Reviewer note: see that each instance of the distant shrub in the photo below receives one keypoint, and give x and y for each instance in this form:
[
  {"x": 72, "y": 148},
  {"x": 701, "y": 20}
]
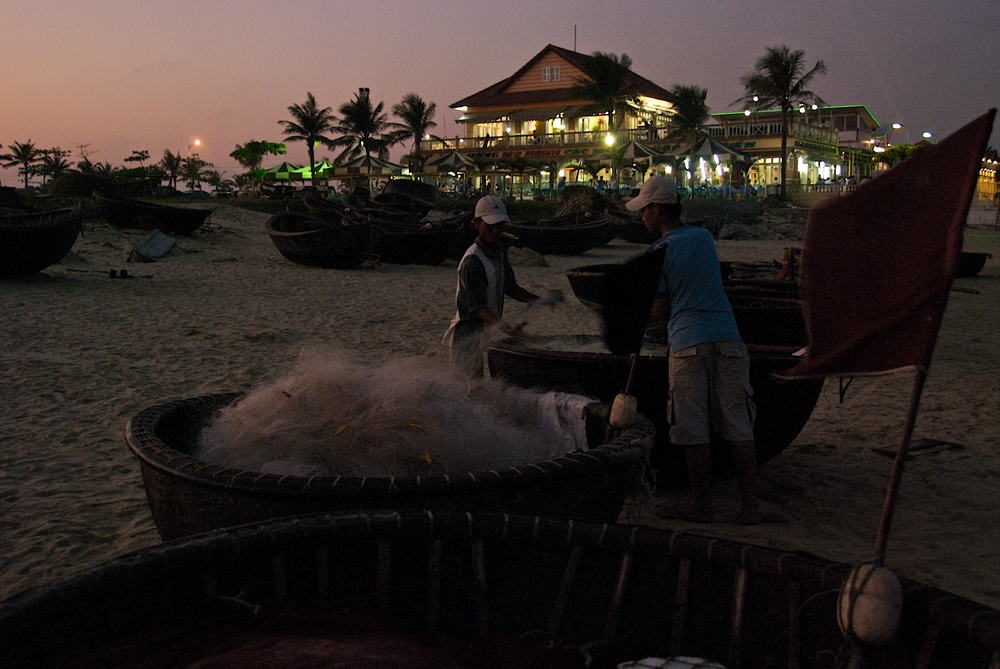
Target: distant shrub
[{"x": 82, "y": 184}]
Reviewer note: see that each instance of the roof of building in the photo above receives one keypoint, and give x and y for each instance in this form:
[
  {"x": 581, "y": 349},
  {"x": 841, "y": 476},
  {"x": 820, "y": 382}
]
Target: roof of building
[
  {"x": 498, "y": 94},
  {"x": 865, "y": 113}
]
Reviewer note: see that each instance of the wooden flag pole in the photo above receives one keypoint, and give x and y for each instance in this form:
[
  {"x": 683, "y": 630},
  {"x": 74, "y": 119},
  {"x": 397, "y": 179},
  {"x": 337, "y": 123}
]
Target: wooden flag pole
[{"x": 892, "y": 491}]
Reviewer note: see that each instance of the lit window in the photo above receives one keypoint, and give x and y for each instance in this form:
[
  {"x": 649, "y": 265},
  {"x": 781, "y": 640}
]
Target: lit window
[{"x": 550, "y": 73}]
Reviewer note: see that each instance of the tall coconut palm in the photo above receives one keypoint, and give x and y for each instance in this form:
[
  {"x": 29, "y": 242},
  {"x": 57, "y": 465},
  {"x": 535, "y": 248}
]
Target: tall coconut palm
[
  {"x": 417, "y": 117},
  {"x": 310, "y": 124},
  {"x": 606, "y": 84},
  {"x": 22, "y": 154},
  {"x": 690, "y": 111},
  {"x": 171, "y": 164},
  {"x": 779, "y": 80},
  {"x": 54, "y": 163},
  {"x": 363, "y": 129}
]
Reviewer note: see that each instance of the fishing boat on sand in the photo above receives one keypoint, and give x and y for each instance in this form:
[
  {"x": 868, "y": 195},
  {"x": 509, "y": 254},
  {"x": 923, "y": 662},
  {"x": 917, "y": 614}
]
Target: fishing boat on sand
[
  {"x": 408, "y": 195},
  {"x": 398, "y": 236},
  {"x": 450, "y": 590},
  {"x": 187, "y": 495},
  {"x": 129, "y": 214},
  {"x": 407, "y": 245},
  {"x": 30, "y": 242},
  {"x": 768, "y": 313},
  {"x": 970, "y": 263},
  {"x": 568, "y": 235},
  {"x": 306, "y": 241}
]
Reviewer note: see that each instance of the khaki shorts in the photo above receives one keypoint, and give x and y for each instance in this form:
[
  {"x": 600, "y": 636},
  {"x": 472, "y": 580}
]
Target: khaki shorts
[{"x": 710, "y": 394}]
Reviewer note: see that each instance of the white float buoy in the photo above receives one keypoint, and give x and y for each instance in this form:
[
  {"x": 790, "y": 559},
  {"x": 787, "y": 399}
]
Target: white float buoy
[
  {"x": 623, "y": 410},
  {"x": 870, "y": 604}
]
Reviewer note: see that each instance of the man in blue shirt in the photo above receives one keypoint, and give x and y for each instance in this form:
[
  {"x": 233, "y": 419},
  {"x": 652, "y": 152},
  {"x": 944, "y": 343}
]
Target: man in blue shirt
[
  {"x": 709, "y": 366},
  {"x": 485, "y": 276}
]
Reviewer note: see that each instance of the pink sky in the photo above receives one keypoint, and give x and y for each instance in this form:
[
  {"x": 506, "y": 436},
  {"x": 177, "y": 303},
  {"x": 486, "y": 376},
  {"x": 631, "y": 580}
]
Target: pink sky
[{"x": 124, "y": 75}]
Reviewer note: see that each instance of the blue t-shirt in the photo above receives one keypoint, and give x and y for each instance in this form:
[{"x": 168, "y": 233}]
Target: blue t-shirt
[{"x": 699, "y": 309}]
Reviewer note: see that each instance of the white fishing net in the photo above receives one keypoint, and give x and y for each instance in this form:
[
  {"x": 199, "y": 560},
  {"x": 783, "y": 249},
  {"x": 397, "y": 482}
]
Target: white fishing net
[{"x": 411, "y": 417}]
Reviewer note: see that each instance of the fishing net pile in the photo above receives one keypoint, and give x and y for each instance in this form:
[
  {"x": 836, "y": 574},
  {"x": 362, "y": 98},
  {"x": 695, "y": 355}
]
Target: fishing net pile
[{"x": 404, "y": 418}]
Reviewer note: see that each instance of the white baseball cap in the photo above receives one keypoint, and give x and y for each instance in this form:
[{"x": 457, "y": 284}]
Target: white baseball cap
[
  {"x": 657, "y": 190},
  {"x": 492, "y": 210}
]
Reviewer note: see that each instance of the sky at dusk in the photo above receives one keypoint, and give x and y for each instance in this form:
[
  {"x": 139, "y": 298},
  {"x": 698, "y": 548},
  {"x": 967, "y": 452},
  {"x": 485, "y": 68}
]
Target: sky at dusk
[{"x": 124, "y": 75}]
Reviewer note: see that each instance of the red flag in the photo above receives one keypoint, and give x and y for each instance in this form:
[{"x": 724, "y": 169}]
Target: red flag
[{"x": 877, "y": 265}]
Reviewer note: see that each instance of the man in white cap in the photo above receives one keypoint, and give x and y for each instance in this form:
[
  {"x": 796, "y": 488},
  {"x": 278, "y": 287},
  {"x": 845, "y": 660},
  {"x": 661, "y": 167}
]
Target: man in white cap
[
  {"x": 485, "y": 276},
  {"x": 709, "y": 370}
]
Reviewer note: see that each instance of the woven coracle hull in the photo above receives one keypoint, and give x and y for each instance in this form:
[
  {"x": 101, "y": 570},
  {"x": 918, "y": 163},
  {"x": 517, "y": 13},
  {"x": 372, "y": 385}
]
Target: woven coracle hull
[
  {"x": 305, "y": 241},
  {"x": 970, "y": 264},
  {"x": 188, "y": 496},
  {"x": 555, "y": 363},
  {"x": 768, "y": 313},
  {"x": 614, "y": 592},
  {"x": 31, "y": 242},
  {"x": 404, "y": 246},
  {"x": 120, "y": 212},
  {"x": 570, "y": 239}
]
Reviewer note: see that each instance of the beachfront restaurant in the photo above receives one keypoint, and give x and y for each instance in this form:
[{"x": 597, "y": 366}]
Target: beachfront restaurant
[{"x": 526, "y": 133}]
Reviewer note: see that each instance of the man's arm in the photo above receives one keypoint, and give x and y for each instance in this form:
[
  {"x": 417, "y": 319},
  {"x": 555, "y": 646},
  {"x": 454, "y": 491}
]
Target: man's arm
[
  {"x": 659, "y": 317},
  {"x": 521, "y": 294}
]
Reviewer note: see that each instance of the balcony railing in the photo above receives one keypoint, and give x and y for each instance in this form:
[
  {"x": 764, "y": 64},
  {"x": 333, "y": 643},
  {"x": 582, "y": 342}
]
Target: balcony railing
[
  {"x": 725, "y": 133},
  {"x": 507, "y": 140}
]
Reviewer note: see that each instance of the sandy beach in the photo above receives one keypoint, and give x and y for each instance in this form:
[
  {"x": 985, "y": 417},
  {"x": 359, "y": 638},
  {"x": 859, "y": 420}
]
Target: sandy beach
[{"x": 80, "y": 353}]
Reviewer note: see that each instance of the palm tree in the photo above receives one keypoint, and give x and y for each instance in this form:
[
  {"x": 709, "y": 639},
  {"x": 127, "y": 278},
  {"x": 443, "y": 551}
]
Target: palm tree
[
  {"x": 310, "y": 125},
  {"x": 24, "y": 154},
  {"x": 779, "y": 80},
  {"x": 193, "y": 171},
  {"x": 105, "y": 169},
  {"x": 363, "y": 129},
  {"x": 417, "y": 117},
  {"x": 213, "y": 178},
  {"x": 54, "y": 163},
  {"x": 171, "y": 164},
  {"x": 690, "y": 111},
  {"x": 606, "y": 85}
]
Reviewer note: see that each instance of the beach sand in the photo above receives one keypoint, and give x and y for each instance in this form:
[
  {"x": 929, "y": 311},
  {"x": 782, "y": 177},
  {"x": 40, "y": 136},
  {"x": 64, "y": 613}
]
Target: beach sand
[{"x": 80, "y": 353}]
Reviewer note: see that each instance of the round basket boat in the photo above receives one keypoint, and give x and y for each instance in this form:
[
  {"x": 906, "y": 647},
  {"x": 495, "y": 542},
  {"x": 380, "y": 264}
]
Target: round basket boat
[
  {"x": 970, "y": 263},
  {"x": 188, "y": 496},
  {"x": 581, "y": 364},
  {"x": 426, "y": 589},
  {"x": 768, "y": 313}
]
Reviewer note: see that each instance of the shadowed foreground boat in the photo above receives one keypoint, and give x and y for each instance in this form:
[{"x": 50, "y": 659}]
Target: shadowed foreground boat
[
  {"x": 768, "y": 313},
  {"x": 970, "y": 264},
  {"x": 469, "y": 590},
  {"x": 306, "y": 241},
  {"x": 188, "y": 496},
  {"x": 128, "y": 214},
  {"x": 31, "y": 242},
  {"x": 581, "y": 364}
]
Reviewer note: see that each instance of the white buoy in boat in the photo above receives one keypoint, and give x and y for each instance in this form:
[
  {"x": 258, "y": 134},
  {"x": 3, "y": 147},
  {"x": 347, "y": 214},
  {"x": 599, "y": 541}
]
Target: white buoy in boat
[
  {"x": 678, "y": 662},
  {"x": 870, "y": 604},
  {"x": 623, "y": 410}
]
